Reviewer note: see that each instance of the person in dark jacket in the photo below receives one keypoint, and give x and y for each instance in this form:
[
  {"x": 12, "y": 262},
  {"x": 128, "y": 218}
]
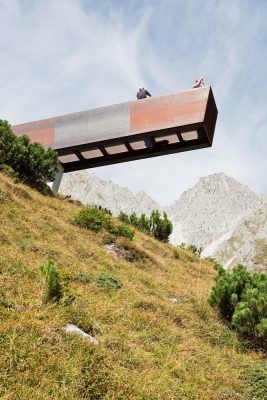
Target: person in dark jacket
[{"x": 143, "y": 93}]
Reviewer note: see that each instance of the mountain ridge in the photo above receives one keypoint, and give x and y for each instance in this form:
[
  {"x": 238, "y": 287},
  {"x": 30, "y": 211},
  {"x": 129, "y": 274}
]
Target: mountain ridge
[{"x": 205, "y": 215}]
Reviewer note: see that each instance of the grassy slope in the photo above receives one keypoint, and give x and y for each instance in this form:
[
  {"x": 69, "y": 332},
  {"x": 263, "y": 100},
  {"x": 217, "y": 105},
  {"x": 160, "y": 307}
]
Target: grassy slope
[{"x": 149, "y": 348}]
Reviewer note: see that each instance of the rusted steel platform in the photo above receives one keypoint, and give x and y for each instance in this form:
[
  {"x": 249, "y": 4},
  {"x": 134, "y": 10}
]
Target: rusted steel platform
[{"x": 129, "y": 131}]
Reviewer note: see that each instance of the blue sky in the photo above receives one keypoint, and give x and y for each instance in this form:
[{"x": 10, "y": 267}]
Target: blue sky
[{"x": 61, "y": 56}]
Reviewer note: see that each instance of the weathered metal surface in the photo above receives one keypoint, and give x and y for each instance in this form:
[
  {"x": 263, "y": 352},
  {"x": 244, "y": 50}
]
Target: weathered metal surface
[
  {"x": 169, "y": 111},
  {"x": 92, "y": 126},
  {"x": 139, "y": 129},
  {"x": 39, "y": 131}
]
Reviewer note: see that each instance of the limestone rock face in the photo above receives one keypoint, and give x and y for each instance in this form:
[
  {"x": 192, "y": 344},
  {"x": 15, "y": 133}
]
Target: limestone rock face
[
  {"x": 210, "y": 209},
  {"x": 248, "y": 242},
  {"x": 89, "y": 189}
]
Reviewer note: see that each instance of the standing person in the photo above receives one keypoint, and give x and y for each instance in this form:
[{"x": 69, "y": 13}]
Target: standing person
[
  {"x": 199, "y": 83},
  {"x": 143, "y": 93}
]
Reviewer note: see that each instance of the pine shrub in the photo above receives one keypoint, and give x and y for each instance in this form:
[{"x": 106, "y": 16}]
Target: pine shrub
[
  {"x": 97, "y": 218},
  {"x": 241, "y": 297},
  {"x": 93, "y": 218},
  {"x": 31, "y": 162},
  {"x": 155, "y": 225}
]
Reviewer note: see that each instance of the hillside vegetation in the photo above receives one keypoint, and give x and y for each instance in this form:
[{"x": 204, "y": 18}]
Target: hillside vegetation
[{"x": 145, "y": 303}]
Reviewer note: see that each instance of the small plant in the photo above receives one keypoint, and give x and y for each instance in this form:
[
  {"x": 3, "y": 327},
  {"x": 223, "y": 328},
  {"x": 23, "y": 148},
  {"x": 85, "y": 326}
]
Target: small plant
[
  {"x": 105, "y": 209},
  {"x": 199, "y": 251},
  {"x": 91, "y": 217},
  {"x": 122, "y": 230},
  {"x": 193, "y": 248},
  {"x": 256, "y": 379},
  {"x": 124, "y": 218},
  {"x": 176, "y": 253},
  {"x": 54, "y": 289},
  {"x": 108, "y": 282},
  {"x": 83, "y": 278}
]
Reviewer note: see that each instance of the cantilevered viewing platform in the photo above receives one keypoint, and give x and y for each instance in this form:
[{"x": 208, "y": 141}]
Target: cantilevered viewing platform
[{"x": 129, "y": 131}]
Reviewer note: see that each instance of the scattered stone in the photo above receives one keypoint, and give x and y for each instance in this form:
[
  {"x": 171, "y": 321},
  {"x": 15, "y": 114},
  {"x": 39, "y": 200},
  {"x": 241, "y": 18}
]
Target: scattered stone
[
  {"x": 74, "y": 330},
  {"x": 230, "y": 263},
  {"x": 178, "y": 299},
  {"x": 116, "y": 250},
  {"x": 172, "y": 299}
]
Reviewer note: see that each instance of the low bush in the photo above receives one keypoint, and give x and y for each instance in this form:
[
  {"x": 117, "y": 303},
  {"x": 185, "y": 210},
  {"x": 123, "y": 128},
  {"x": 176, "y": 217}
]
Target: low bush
[
  {"x": 93, "y": 218},
  {"x": 122, "y": 230},
  {"x": 256, "y": 379},
  {"x": 97, "y": 218},
  {"x": 108, "y": 282},
  {"x": 241, "y": 297},
  {"x": 83, "y": 278}
]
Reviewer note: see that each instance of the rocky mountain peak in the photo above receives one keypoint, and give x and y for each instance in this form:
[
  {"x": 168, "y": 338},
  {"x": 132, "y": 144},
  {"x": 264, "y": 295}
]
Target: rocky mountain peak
[{"x": 212, "y": 207}]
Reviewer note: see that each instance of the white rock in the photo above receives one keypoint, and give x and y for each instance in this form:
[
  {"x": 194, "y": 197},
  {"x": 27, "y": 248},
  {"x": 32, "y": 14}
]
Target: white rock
[
  {"x": 230, "y": 262},
  {"x": 213, "y": 246},
  {"x": 73, "y": 329}
]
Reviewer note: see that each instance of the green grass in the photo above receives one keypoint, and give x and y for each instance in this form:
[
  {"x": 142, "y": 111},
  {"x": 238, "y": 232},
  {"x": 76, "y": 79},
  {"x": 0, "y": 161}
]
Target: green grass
[{"x": 149, "y": 348}]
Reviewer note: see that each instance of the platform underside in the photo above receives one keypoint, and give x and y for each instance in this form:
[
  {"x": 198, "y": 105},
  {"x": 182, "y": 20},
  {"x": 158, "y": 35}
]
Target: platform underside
[{"x": 133, "y": 148}]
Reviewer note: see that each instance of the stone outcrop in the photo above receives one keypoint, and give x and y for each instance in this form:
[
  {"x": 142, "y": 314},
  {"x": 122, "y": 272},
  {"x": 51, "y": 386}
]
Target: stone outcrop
[
  {"x": 210, "y": 209},
  {"x": 248, "y": 242}
]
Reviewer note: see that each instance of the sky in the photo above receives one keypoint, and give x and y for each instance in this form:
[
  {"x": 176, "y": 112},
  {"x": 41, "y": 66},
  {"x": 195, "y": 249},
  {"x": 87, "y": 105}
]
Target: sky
[{"x": 63, "y": 56}]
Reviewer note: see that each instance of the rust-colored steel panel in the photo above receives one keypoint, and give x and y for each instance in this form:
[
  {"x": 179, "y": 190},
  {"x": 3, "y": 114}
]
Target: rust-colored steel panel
[
  {"x": 38, "y": 131},
  {"x": 130, "y": 131},
  {"x": 169, "y": 111}
]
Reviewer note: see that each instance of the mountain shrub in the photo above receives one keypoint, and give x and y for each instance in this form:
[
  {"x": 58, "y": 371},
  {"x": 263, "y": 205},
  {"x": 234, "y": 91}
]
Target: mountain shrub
[
  {"x": 193, "y": 248},
  {"x": 122, "y": 230},
  {"x": 97, "y": 218},
  {"x": 124, "y": 217},
  {"x": 155, "y": 225},
  {"x": 93, "y": 218},
  {"x": 241, "y": 297},
  {"x": 31, "y": 162},
  {"x": 108, "y": 282},
  {"x": 161, "y": 228}
]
